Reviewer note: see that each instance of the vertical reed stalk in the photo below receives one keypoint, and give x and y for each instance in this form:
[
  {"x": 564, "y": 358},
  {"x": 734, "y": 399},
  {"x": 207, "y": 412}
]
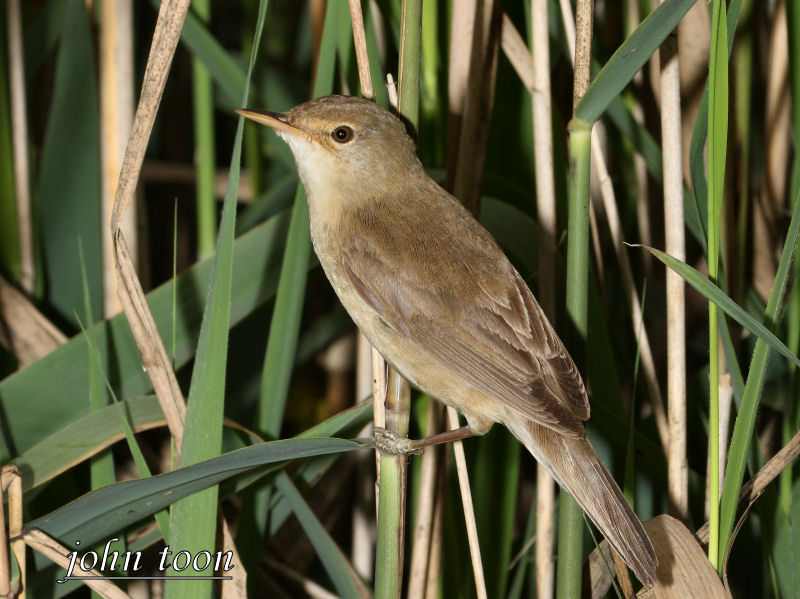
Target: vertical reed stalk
[
  {"x": 672, "y": 156},
  {"x": 570, "y": 524},
  {"x": 392, "y": 494},
  {"x": 392, "y": 477},
  {"x": 546, "y": 211},
  {"x": 116, "y": 116}
]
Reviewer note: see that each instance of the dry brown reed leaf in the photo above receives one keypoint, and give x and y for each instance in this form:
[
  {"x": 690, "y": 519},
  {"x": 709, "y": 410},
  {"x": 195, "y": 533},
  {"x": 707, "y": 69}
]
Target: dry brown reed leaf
[
  {"x": 58, "y": 554},
  {"x": 236, "y": 586},
  {"x": 149, "y": 342},
  {"x": 24, "y": 331},
  {"x": 516, "y": 50},
  {"x": 683, "y": 568},
  {"x": 165, "y": 40}
]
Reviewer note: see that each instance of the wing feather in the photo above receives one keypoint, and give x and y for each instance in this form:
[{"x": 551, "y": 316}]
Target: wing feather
[{"x": 473, "y": 314}]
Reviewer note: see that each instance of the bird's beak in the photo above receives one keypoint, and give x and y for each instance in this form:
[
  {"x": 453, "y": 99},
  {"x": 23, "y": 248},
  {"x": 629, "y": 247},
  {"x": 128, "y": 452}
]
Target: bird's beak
[{"x": 276, "y": 120}]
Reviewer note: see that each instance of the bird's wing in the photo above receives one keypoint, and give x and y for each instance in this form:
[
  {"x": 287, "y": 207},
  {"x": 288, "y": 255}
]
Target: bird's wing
[{"x": 469, "y": 310}]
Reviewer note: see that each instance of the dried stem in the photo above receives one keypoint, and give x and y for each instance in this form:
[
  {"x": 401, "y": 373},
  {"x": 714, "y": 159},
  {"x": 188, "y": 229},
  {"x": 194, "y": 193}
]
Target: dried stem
[
  {"x": 469, "y": 510},
  {"x": 426, "y": 501},
  {"x": 678, "y": 468},
  {"x": 583, "y": 49},
  {"x": 116, "y": 111},
  {"x": 165, "y": 40},
  {"x": 19, "y": 132},
  {"x": 546, "y": 211},
  {"x": 11, "y": 489},
  {"x": 360, "y": 42},
  {"x": 24, "y": 331}
]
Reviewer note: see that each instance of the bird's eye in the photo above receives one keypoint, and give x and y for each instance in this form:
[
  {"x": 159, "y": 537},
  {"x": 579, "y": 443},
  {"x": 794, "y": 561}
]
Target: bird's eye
[{"x": 342, "y": 134}]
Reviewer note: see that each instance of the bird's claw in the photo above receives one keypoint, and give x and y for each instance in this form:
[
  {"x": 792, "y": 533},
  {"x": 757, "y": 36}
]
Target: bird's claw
[{"x": 390, "y": 443}]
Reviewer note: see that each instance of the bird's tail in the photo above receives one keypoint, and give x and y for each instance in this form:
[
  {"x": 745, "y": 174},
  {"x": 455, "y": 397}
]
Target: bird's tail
[{"x": 575, "y": 466}]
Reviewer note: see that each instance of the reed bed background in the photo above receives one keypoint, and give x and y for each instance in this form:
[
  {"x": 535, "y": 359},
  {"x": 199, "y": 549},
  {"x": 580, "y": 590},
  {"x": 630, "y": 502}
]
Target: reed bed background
[{"x": 153, "y": 247}]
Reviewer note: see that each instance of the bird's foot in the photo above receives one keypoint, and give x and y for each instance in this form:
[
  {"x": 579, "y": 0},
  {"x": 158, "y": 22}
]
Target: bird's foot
[{"x": 390, "y": 443}]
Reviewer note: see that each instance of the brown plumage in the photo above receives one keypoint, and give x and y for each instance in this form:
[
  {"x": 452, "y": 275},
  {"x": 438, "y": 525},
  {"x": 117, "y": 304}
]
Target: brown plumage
[{"x": 434, "y": 293}]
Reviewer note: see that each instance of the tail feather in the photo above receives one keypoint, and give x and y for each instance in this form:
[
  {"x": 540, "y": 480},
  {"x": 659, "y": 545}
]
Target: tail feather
[{"x": 575, "y": 466}]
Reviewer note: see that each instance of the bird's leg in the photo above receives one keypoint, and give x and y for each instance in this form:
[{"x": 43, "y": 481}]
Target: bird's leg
[{"x": 386, "y": 441}]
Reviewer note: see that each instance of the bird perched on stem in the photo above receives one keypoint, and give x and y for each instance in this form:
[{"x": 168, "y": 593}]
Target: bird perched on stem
[{"x": 434, "y": 293}]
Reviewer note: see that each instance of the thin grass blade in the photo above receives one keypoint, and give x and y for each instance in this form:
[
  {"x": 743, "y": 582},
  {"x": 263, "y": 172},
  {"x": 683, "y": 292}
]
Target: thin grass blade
[
  {"x": 193, "y": 523},
  {"x": 629, "y": 58},
  {"x": 714, "y": 294},
  {"x": 745, "y": 421}
]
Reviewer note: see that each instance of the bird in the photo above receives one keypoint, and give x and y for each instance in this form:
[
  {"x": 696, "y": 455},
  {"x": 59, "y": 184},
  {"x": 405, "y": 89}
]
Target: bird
[{"x": 434, "y": 293}]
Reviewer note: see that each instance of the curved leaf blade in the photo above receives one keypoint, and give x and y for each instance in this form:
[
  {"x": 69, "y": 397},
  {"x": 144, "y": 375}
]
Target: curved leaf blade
[
  {"x": 103, "y": 512},
  {"x": 714, "y": 294},
  {"x": 629, "y": 58}
]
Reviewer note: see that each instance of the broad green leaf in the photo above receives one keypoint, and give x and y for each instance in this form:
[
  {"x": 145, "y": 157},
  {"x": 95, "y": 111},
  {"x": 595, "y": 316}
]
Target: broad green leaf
[
  {"x": 67, "y": 199},
  {"x": 82, "y": 438},
  {"x": 310, "y": 470},
  {"x": 105, "y": 512},
  {"x": 56, "y": 384}
]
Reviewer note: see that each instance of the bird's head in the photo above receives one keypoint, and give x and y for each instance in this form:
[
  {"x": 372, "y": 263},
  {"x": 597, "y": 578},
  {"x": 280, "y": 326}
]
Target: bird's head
[{"x": 344, "y": 145}]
